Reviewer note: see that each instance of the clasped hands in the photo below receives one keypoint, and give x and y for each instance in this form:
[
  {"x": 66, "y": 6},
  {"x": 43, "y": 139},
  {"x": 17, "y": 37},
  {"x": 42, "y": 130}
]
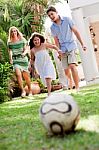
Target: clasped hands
[{"x": 60, "y": 54}]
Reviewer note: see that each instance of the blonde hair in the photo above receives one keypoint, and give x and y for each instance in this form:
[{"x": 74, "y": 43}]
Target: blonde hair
[{"x": 19, "y": 34}]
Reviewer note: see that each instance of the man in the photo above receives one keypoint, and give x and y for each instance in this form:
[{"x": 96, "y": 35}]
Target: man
[{"x": 62, "y": 30}]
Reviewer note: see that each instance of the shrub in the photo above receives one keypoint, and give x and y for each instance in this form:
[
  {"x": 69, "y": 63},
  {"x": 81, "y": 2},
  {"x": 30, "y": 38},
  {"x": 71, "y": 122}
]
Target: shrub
[{"x": 5, "y": 74}]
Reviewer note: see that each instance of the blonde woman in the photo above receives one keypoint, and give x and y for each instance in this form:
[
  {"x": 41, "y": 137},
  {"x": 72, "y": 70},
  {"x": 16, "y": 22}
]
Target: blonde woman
[{"x": 17, "y": 46}]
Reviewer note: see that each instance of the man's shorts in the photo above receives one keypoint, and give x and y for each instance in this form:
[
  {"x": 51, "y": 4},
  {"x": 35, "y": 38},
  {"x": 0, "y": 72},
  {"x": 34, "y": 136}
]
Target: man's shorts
[{"x": 69, "y": 58}]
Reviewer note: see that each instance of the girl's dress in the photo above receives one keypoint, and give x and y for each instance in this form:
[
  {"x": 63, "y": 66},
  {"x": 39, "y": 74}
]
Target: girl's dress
[
  {"x": 17, "y": 50},
  {"x": 44, "y": 66}
]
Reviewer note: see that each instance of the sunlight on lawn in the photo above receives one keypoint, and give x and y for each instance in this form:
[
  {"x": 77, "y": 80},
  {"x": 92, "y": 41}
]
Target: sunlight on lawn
[
  {"x": 90, "y": 124},
  {"x": 23, "y": 102},
  {"x": 22, "y": 117}
]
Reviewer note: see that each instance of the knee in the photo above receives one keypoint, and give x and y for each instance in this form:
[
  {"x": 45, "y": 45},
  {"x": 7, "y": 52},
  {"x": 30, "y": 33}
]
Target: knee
[
  {"x": 25, "y": 75},
  {"x": 72, "y": 67},
  {"x": 18, "y": 75}
]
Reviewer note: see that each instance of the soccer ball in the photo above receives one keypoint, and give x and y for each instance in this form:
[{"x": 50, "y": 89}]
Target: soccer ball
[{"x": 59, "y": 113}]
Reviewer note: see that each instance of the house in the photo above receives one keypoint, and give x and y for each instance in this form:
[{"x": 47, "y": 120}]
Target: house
[{"x": 86, "y": 14}]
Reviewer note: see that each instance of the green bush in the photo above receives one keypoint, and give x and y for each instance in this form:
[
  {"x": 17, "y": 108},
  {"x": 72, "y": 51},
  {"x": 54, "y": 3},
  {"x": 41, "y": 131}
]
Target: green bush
[
  {"x": 4, "y": 57},
  {"x": 5, "y": 74},
  {"x": 4, "y": 95}
]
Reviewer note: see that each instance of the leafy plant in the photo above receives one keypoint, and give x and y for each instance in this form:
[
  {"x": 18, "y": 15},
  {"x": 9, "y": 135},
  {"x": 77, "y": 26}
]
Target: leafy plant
[
  {"x": 26, "y": 15},
  {"x": 5, "y": 74}
]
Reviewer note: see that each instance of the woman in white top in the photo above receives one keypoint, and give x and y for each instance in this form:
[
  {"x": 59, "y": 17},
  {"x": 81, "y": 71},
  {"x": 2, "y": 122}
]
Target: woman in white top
[{"x": 42, "y": 60}]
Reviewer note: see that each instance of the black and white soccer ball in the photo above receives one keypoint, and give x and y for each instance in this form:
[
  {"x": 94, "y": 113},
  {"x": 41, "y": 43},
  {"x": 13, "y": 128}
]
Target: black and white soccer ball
[{"x": 59, "y": 113}]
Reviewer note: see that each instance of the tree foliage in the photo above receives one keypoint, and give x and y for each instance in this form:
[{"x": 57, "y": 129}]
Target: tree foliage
[{"x": 20, "y": 13}]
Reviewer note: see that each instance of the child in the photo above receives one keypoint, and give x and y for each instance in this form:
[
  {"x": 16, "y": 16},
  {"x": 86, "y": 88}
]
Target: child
[{"x": 43, "y": 62}]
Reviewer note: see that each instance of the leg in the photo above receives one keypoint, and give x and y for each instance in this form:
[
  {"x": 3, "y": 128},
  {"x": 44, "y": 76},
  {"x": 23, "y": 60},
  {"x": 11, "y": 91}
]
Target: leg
[
  {"x": 27, "y": 79},
  {"x": 19, "y": 78},
  {"x": 69, "y": 77},
  {"x": 67, "y": 70},
  {"x": 48, "y": 83},
  {"x": 72, "y": 65},
  {"x": 74, "y": 75}
]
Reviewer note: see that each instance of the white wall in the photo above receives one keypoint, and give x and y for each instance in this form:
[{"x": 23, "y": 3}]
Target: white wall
[
  {"x": 81, "y": 3},
  {"x": 93, "y": 18},
  {"x": 91, "y": 10}
]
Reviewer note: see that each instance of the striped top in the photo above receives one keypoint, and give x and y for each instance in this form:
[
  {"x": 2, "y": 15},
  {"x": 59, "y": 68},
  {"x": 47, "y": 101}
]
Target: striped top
[{"x": 17, "y": 50}]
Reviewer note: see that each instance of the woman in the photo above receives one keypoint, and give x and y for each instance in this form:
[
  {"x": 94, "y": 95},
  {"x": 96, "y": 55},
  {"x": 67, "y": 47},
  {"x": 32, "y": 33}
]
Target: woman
[
  {"x": 17, "y": 46},
  {"x": 43, "y": 62}
]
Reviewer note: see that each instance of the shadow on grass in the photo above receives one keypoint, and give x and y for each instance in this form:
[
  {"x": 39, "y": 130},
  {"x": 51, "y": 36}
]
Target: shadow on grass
[
  {"x": 80, "y": 140},
  {"x": 77, "y": 140},
  {"x": 79, "y": 132}
]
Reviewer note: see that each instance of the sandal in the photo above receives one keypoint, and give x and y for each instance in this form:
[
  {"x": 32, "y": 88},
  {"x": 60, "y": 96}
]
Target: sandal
[
  {"x": 23, "y": 94},
  {"x": 30, "y": 94}
]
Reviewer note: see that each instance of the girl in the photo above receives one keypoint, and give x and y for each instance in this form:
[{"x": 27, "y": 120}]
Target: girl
[{"x": 43, "y": 62}]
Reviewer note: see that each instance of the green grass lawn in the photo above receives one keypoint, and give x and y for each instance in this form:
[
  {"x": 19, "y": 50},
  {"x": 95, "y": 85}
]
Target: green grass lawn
[{"x": 21, "y": 129}]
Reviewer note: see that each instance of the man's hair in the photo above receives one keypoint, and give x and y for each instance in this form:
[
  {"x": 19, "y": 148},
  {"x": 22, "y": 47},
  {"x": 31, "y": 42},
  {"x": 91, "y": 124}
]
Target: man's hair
[{"x": 51, "y": 8}]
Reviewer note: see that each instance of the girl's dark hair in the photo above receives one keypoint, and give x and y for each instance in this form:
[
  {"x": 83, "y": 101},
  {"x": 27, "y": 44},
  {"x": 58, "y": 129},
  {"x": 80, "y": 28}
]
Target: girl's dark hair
[
  {"x": 51, "y": 8},
  {"x": 42, "y": 39}
]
